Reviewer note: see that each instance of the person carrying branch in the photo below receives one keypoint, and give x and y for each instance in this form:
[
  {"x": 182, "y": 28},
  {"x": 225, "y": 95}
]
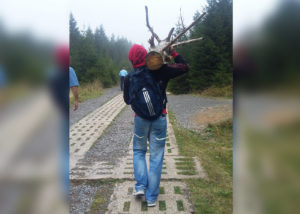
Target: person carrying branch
[{"x": 145, "y": 91}]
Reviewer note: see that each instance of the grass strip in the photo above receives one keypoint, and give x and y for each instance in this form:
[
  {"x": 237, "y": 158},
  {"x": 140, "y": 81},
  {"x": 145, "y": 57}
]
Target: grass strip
[
  {"x": 180, "y": 205},
  {"x": 126, "y": 207},
  {"x": 161, "y": 190},
  {"x": 144, "y": 206},
  {"x": 212, "y": 195},
  {"x": 177, "y": 190},
  {"x": 162, "y": 205}
]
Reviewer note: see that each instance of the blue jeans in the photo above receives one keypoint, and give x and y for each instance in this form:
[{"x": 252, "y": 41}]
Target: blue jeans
[
  {"x": 122, "y": 82},
  {"x": 155, "y": 131}
]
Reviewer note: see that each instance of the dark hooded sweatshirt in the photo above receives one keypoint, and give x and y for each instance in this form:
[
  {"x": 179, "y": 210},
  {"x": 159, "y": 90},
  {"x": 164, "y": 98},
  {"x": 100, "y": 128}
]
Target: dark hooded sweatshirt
[{"x": 162, "y": 76}]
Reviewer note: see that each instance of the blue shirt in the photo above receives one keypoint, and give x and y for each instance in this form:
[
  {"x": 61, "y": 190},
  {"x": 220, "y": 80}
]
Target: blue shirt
[
  {"x": 3, "y": 79},
  {"x": 73, "y": 77},
  {"x": 123, "y": 73}
]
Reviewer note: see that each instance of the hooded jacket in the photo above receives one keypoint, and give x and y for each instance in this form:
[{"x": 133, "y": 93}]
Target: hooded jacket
[{"x": 137, "y": 55}]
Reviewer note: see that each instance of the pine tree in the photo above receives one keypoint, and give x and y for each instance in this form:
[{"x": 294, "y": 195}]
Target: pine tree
[
  {"x": 181, "y": 84},
  {"x": 94, "y": 56},
  {"x": 210, "y": 60}
]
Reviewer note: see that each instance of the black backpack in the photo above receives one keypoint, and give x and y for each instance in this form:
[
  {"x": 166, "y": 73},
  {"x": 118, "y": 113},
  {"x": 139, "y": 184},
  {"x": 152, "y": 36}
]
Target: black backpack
[{"x": 145, "y": 96}]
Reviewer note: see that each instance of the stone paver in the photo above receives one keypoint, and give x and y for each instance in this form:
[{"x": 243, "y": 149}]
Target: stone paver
[
  {"x": 175, "y": 166},
  {"x": 87, "y": 130},
  {"x": 173, "y": 198}
]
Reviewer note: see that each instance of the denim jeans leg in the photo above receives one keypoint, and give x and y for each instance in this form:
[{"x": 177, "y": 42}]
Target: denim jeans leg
[
  {"x": 141, "y": 130},
  {"x": 157, "y": 140},
  {"x": 122, "y": 83}
]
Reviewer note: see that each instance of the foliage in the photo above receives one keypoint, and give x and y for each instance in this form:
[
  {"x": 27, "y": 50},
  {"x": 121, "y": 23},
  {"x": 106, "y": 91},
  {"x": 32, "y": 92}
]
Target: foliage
[
  {"x": 213, "y": 147},
  {"x": 23, "y": 58},
  {"x": 213, "y": 91},
  {"x": 87, "y": 91},
  {"x": 210, "y": 60},
  {"x": 268, "y": 58},
  {"x": 95, "y": 56}
]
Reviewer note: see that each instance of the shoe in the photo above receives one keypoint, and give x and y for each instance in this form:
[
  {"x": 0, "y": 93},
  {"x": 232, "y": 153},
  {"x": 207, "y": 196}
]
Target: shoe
[
  {"x": 139, "y": 193},
  {"x": 151, "y": 204}
]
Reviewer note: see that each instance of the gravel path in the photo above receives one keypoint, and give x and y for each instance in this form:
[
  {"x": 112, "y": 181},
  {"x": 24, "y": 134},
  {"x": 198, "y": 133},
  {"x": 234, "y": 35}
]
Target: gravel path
[
  {"x": 113, "y": 143},
  {"x": 186, "y": 106},
  {"x": 82, "y": 194},
  {"x": 115, "y": 140},
  {"x": 111, "y": 146},
  {"x": 90, "y": 105}
]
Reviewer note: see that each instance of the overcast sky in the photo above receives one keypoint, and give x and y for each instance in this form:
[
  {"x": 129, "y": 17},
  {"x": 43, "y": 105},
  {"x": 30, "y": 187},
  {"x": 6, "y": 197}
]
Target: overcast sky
[
  {"x": 127, "y": 17},
  {"x": 248, "y": 15},
  {"x": 48, "y": 19},
  {"x": 43, "y": 19}
]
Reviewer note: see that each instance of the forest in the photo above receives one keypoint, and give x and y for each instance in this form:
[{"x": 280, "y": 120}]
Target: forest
[{"x": 95, "y": 55}]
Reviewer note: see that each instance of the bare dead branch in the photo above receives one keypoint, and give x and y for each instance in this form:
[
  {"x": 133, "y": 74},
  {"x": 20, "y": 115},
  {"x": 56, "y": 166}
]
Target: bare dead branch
[
  {"x": 151, "y": 42},
  {"x": 187, "y": 42},
  {"x": 169, "y": 35},
  {"x": 183, "y": 32},
  {"x": 150, "y": 28}
]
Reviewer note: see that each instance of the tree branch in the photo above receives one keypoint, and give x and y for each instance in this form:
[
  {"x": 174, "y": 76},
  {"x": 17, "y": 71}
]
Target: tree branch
[
  {"x": 187, "y": 42},
  {"x": 150, "y": 28},
  {"x": 183, "y": 32},
  {"x": 169, "y": 35}
]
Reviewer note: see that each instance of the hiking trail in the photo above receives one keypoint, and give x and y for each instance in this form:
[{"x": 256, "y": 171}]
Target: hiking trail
[{"x": 174, "y": 194}]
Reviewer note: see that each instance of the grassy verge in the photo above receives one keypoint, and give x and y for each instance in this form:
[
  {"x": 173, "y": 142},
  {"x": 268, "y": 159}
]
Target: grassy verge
[
  {"x": 213, "y": 147},
  {"x": 102, "y": 197},
  {"x": 16, "y": 92},
  {"x": 87, "y": 91},
  {"x": 223, "y": 92}
]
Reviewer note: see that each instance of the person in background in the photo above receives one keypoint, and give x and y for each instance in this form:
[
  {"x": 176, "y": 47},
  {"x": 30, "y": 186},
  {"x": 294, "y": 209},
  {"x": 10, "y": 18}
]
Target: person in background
[
  {"x": 122, "y": 74},
  {"x": 3, "y": 85},
  {"x": 3, "y": 77},
  {"x": 74, "y": 86},
  {"x": 59, "y": 89}
]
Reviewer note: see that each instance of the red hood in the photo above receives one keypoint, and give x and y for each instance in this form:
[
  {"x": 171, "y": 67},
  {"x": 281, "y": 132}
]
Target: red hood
[
  {"x": 137, "y": 55},
  {"x": 61, "y": 55}
]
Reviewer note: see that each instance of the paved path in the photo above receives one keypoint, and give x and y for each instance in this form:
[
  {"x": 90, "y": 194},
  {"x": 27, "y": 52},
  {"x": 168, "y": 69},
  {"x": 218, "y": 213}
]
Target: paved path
[
  {"x": 86, "y": 131},
  {"x": 124, "y": 169},
  {"x": 29, "y": 148},
  {"x": 90, "y": 105},
  {"x": 174, "y": 194}
]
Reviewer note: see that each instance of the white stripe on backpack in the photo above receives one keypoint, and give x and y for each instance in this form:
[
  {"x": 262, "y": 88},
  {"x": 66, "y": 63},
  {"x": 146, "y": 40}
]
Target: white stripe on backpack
[{"x": 148, "y": 102}]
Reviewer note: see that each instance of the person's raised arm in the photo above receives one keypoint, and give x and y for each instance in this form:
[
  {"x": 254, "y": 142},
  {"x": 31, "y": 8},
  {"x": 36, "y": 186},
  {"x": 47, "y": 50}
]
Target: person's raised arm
[{"x": 180, "y": 67}]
